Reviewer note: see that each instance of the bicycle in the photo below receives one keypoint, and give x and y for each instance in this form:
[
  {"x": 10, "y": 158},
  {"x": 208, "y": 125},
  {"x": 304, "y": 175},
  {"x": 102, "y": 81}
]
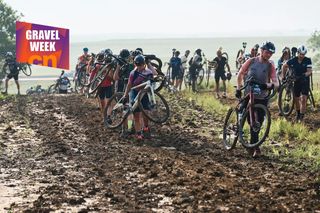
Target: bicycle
[
  {"x": 54, "y": 88},
  {"x": 24, "y": 67},
  {"x": 286, "y": 95},
  {"x": 158, "y": 109},
  {"x": 241, "y": 121}
]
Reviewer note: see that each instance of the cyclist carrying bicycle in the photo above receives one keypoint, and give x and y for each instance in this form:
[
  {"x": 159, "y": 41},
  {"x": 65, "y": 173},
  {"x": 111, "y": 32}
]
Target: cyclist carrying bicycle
[
  {"x": 14, "y": 69},
  {"x": 262, "y": 70},
  {"x": 121, "y": 77},
  {"x": 176, "y": 66},
  {"x": 136, "y": 77},
  {"x": 302, "y": 70}
]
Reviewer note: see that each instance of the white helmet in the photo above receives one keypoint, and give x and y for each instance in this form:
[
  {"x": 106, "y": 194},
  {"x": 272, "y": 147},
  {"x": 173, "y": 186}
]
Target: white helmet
[
  {"x": 302, "y": 49},
  {"x": 9, "y": 54}
]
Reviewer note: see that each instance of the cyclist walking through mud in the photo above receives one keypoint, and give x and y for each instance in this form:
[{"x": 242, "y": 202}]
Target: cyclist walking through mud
[
  {"x": 262, "y": 70},
  {"x": 302, "y": 69}
]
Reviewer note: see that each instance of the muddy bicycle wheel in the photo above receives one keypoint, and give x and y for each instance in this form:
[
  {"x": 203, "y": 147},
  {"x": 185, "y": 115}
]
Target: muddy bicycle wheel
[
  {"x": 230, "y": 129},
  {"x": 253, "y": 135},
  {"x": 98, "y": 79},
  {"x": 186, "y": 79},
  {"x": 114, "y": 113},
  {"x": 157, "y": 110},
  {"x": 53, "y": 89},
  {"x": 311, "y": 101},
  {"x": 286, "y": 99},
  {"x": 26, "y": 69},
  {"x": 200, "y": 76}
]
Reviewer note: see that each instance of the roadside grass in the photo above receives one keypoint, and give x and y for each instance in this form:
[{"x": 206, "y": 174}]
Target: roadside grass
[{"x": 286, "y": 140}]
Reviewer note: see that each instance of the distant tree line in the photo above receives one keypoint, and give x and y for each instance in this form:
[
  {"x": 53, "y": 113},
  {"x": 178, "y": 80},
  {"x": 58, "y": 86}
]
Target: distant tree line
[{"x": 314, "y": 44}]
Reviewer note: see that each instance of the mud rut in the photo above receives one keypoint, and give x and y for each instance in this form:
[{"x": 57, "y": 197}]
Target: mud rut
[{"x": 56, "y": 155}]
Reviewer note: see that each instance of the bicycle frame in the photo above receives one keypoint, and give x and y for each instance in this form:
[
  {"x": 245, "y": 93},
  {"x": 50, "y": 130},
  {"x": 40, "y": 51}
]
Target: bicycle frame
[{"x": 146, "y": 85}]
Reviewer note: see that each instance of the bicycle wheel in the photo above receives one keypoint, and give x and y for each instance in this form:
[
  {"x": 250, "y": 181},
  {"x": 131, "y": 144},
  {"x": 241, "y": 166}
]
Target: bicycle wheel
[
  {"x": 253, "y": 135},
  {"x": 156, "y": 110},
  {"x": 26, "y": 69},
  {"x": 200, "y": 76},
  {"x": 98, "y": 79},
  {"x": 159, "y": 82},
  {"x": 186, "y": 79},
  {"x": 311, "y": 100},
  {"x": 115, "y": 110},
  {"x": 53, "y": 89},
  {"x": 286, "y": 99},
  {"x": 230, "y": 129}
]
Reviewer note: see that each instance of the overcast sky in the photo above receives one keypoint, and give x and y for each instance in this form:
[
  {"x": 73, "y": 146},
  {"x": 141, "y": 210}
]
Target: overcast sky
[{"x": 174, "y": 18}]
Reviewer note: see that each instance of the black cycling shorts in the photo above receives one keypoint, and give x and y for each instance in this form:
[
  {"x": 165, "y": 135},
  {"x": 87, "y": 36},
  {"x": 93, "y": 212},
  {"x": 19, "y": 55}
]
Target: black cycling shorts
[
  {"x": 105, "y": 92},
  {"x": 144, "y": 101},
  {"x": 14, "y": 76},
  {"x": 301, "y": 87},
  {"x": 218, "y": 75},
  {"x": 177, "y": 74}
]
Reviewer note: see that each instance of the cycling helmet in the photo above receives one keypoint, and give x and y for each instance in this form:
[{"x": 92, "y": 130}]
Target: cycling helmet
[
  {"x": 286, "y": 49},
  {"x": 107, "y": 51},
  {"x": 198, "y": 51},
  {"x": 135, "y": 53},
  {"x": 256, "y": 47},
  {"x": 100, "y": 56},
  {"x": 85, "y": 49},
  {"x": 139, "y": 60},
  {"x": 302, "y": 50},
  {"x": 124, "y": 53},
  {"x": 268, "y": 46},
  {"x": 9, "y": 54},
  {"x": 140, "y": 50},
  {"x": 177, "y": 53}
]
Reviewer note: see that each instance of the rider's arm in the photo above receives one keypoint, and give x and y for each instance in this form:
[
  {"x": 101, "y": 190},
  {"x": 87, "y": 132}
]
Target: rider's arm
[
  {"x": 154, "y": 71},
  {"x": 116, "y": 76},
  {"x": 284, "y": 70},
  {"x": 273, "y": 77},
  {"x": 309, "y": 68},
  {"x": 243, "y": 71}
]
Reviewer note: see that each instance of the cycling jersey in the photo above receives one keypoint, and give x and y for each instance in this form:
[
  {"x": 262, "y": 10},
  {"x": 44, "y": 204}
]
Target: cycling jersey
[
  {"x": 184, "y": 61},
  {"x": 137, "y": 77},
  {"x": 12, "y": 65},
  {"x": 221, "y": 63},
  {"x": 84, "y": 59},
  {"x": 299, "y": 68}
]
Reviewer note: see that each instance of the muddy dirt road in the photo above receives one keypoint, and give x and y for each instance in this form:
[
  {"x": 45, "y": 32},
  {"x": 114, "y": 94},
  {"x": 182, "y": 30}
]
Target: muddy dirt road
[{"x": 56, "y": 156}]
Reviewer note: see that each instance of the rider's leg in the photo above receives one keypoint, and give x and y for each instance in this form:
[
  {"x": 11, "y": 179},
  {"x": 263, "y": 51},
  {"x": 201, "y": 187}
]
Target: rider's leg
[
  {"x": 6, "y": 85},
  {"x": 18, "y": 86},
  {"x": 224, "y": 88}
]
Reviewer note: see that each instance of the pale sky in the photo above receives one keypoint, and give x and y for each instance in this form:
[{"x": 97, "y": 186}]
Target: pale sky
[{"x": 173, "y": 18}]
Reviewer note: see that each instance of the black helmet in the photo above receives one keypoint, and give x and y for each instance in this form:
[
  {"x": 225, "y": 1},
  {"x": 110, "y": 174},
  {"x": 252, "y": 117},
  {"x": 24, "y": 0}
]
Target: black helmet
[
  {"x": 256, "y": 47},
  {"x": 135, "y": 53},
  {"x": 177, "y": 52},
  {"x": 198, "y": 51},
  {"x": 139, "y": 59},
  {"x": 85, "y": 49},
  {"x": 107, "y": 51},
  {"x": 124, "y": 53},
  {"x": 268, "y": 46},
  {"x": 140, "y": 49}
]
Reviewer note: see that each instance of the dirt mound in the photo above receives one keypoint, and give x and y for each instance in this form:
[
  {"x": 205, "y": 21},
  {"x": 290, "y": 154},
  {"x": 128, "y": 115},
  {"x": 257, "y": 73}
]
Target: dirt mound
[{"x": 57, "y": 155}]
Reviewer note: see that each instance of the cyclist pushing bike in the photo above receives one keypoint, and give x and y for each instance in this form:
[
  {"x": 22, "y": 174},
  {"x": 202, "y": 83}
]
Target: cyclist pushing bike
[
  {"x": 302, "y": 70},
  {"x": 263, "y": 70}
]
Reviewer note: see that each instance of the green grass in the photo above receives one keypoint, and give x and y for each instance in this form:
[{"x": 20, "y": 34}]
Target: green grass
[{"x": 293, "y": 140}]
